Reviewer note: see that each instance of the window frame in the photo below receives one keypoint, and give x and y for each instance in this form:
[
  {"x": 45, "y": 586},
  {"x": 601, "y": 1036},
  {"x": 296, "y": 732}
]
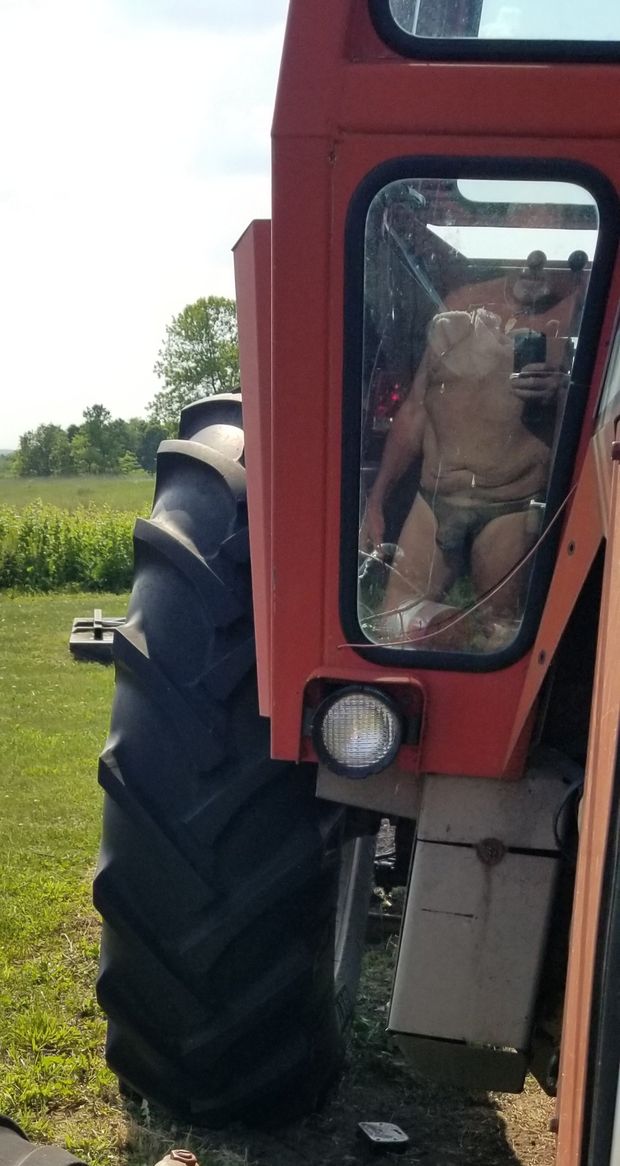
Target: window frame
[
  {"x": 601, "y": 1091},
  {"x": 609, "y": 403},
  {"x": 402, "y": 168},
  {"x": 428, "y": 48}
]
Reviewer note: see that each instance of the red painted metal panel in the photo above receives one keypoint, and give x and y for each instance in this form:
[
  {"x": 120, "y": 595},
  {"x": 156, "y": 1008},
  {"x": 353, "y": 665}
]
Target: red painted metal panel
[
  {"x": 368, "y": 107},
  {"x": 300, "y": 445},
  {"x": 253, "y": 287},
  {"x": 595, "y": 815},
  {"x": 345, "y": 104},
  {"x": 510, "y": 100},
  {"x": 581, "y": 539},
  {"x": 332, "y": 52}
]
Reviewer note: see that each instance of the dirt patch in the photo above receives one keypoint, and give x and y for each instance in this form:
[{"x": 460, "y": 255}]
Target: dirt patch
[{"x": 446, "y": 1126}]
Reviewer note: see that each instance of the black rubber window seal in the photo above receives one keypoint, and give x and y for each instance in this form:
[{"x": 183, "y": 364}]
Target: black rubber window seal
[
  {"x": 466, "y": 49},
  {"x": 549, "y": 169}
]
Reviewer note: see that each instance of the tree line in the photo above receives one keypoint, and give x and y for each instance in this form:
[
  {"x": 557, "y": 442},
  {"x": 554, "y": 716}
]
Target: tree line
[
  {"x": 101, "y": 444},
  {"x": 199, "y": 357}
]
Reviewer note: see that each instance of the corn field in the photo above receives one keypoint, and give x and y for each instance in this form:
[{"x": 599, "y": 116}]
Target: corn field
[{"x": 44, "y": 548}]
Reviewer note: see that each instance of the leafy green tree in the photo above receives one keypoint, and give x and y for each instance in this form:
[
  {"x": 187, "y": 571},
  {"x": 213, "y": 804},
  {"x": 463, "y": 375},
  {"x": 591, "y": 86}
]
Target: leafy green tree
[
  {"x": 120, "y": 437},
  {"x": 99, "y": 445},
  {"x": 152, "y": 434},
  {"x": 199, "y": 357},
  {"x": 43, "y": 451},
  {"x": 60, "y": 463},
  {"x": 8, "y": 464},
  {"x": 98, "y": 442},
  {"x": 128, "y": 463},
  {"x": 97, "y": 430},
  {"x": 82, "y": 454}
]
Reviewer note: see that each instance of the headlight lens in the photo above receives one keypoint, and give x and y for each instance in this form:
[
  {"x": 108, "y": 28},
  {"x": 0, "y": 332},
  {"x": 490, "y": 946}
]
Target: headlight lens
[{"x": 357, "y": 731}]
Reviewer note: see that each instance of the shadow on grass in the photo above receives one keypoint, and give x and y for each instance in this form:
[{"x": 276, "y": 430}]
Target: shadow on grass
[
  {"x": 445, "y": 1126},
  {"x": 445, "y": 1129}
]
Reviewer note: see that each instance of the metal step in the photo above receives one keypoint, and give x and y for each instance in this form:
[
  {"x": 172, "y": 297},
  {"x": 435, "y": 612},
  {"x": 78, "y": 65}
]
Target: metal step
[{"x": 92, "y": 637}]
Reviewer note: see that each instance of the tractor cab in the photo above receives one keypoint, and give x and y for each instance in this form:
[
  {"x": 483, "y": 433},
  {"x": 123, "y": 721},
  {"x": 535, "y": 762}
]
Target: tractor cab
[
  {"x": 427, "y": 393},
  {"x": 395, "y": 595},
  {"x": 474, "y": 294},
  {"x": 424, "y": 330}
]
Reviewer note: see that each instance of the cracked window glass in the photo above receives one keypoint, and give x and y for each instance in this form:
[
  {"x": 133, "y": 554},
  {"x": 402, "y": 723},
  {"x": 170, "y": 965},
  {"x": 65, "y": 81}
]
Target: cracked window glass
[
  {"x": 474, "y": 293},
  {"x": 508, "y": 19}
]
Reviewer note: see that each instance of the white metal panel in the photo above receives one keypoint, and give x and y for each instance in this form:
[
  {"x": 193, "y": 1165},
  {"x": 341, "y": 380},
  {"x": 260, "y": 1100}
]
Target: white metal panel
[
  {"x": 520, "y": 814},
  {"x": 471, "y": 946}
]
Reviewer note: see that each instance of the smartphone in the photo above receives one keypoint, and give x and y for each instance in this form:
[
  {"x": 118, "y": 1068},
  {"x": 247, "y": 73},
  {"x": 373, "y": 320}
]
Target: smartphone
[{"x": 529, "y": 348}]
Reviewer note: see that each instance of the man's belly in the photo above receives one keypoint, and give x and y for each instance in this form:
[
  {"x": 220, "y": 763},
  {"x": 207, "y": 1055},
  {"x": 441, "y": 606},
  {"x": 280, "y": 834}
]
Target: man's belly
[
  {"x": 476, "y": 445},
  {"x": 472, "y": 475}
]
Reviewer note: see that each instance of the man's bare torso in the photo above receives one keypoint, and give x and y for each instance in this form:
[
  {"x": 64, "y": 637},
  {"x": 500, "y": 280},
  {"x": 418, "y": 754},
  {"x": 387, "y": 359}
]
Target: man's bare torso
[
  {"x": 476, "y": 446},
  {"x": 479, "y": 440}
]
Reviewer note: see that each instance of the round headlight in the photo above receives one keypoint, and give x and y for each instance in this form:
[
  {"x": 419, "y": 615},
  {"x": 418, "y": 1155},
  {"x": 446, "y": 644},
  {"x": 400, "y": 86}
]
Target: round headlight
[{"x": 357, "y": 731}]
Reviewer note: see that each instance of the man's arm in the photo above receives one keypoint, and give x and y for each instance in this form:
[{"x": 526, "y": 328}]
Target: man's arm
[
  {"x": 541, "y": 383},
  {"x": 403, "y": 444}
]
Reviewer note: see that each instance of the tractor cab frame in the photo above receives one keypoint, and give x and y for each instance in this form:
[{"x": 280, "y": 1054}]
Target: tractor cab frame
[
  {"x": 420, "y": 177},
  {"x": 429, "y": 360}
]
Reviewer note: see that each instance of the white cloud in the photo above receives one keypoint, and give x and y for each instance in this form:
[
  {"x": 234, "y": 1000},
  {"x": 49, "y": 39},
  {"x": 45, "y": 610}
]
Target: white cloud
[
  {"x": 239, "y": 16},
  {"x": 134, "y": 158}
]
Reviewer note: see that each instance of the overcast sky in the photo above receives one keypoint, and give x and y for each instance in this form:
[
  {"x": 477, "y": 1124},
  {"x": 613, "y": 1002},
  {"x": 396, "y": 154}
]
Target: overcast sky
[{"x": 134, "y": 150}]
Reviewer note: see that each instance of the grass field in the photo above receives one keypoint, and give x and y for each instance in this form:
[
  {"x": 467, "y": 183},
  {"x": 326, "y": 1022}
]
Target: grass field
[
  {"x": 53, "y": 721},
  {"x": 130, "y": 493},
  {"x": 61, "y": 533}
]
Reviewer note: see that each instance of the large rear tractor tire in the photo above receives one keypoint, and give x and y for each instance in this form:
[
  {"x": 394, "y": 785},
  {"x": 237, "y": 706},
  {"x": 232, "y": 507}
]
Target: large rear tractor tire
[{"x": 234, "y": 908}]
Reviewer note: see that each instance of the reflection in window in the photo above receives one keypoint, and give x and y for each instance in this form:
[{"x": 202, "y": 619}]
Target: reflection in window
[
  {"x": 473, "y": 300},
  {"x": 508, "y": 19}
]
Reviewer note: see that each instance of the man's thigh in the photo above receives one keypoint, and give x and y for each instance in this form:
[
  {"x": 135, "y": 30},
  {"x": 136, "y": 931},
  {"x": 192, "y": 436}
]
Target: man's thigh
[
  {"x": 420, "y": 569},
  {"x": 495, "y": 552}
]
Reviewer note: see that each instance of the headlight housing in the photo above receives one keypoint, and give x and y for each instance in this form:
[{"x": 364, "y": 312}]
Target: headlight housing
[{"x": 357, "y": 731}]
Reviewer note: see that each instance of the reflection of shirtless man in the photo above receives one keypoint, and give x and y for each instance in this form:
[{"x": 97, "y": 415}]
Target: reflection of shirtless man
[{"x": 484, "y": 435}]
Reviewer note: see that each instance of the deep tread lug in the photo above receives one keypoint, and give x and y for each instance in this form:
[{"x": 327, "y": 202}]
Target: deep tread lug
[{"x": 218, "y": 871}]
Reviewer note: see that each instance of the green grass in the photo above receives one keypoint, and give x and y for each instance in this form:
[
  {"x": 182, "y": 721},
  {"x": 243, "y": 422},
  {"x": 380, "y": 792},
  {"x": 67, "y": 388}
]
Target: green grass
[
  {"x": 132, "y": 493},
  {"x": 53, "y": 721},
  {"x": 53, "y": 1080}
]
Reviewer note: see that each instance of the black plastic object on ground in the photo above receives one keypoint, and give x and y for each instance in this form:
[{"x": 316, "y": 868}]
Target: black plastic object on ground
[
  {"x": 383, "y": 1137},
  {"x": 17, "y": 1150},
  {"x": 226, "y": 978},
  {"x": 92, "y": 638}
]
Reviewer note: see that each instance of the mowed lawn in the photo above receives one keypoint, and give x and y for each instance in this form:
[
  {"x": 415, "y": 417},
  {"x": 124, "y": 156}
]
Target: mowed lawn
[
  {"x": 54, "y": 716},
  {"x": 53, "y": 720},
  {"x": 129, "y": 493}
]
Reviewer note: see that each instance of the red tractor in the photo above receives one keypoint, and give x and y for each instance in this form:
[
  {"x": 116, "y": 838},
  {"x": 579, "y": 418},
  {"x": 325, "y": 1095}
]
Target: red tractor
[{"x": 426, "y": 493}]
